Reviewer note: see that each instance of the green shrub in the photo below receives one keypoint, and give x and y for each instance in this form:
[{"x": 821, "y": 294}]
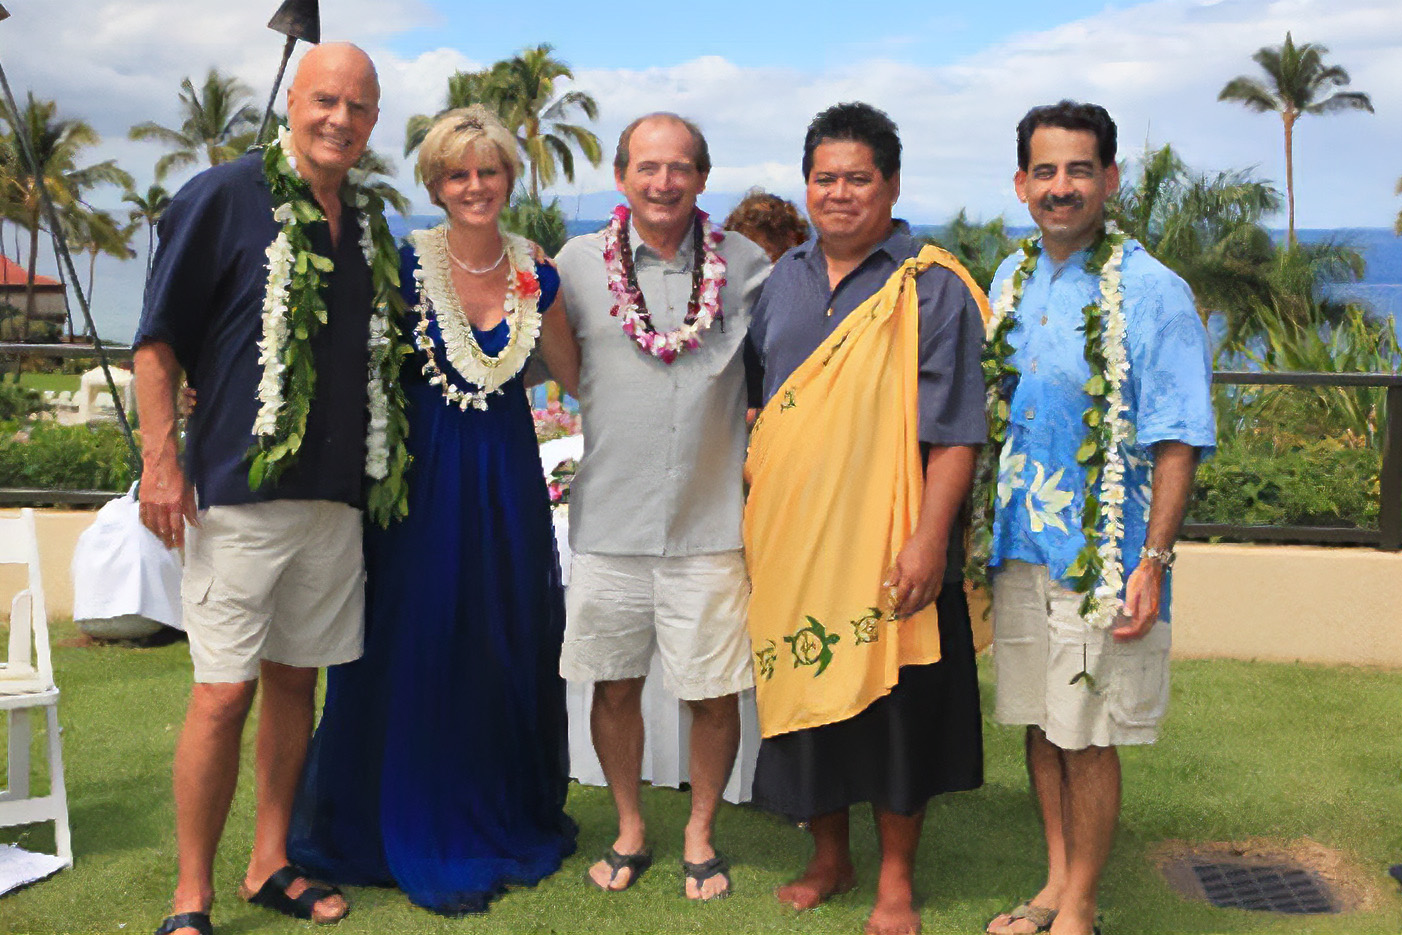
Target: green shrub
[
  {"x": 1319, "y": 484},
  {"x": 65, "y": 457},
  {"x": 18, "y": 402}
]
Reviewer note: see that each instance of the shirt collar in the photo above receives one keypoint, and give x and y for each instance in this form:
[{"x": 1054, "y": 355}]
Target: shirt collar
[
  {"x": 641, "y": 251},
  {"x": 897, "y": 246}
]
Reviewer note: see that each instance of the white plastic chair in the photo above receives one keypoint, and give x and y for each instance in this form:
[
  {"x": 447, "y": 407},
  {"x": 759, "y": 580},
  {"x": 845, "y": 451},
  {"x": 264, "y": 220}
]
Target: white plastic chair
[{"x": 27, "y": 685}]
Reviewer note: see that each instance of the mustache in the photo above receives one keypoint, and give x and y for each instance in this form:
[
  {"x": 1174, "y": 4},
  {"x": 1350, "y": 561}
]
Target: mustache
[{"x": 1073, "y": 200}]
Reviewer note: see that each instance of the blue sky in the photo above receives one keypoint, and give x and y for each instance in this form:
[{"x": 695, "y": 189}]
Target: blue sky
[
  {"x": 799, "y": 35},
  {"x": 955, "y": 77}
]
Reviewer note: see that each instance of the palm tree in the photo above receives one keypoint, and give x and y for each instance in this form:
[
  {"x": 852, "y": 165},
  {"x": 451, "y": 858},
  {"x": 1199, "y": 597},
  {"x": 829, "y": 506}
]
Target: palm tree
[
  {"x": 372, "y": 164},
  {"x": 147, "y": 209},
  {"x": 539, "y": 117},
  {"x": 521, "y": 90},
  {"x": 1397, "y": 227},
  {"x": 1299, "y": 83},
  {"x": 57, "y": 144},
  {"x": 95, "y": 231},
  {"x": 218, "y": 124}
]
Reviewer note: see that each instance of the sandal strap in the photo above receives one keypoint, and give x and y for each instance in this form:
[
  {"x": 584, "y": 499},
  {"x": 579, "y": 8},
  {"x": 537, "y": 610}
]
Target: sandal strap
[
  {"x": 273, "y": 893},
  {"x": 199, "y": 921},
  {"x": 634, "y": 862},
  {"x": 1040, "y": 916},
  {"x": 703, "y": 871}
]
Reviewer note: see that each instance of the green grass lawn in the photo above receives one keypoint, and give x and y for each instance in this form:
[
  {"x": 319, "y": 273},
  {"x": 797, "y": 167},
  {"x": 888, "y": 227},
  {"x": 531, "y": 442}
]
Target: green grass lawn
[
  {"x": 1249, "y": 751},
  {"x": 56, "y": 382}
]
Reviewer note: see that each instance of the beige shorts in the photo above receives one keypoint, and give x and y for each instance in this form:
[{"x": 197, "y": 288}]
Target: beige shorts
[
  {"x": 282, "y": 581},
  {"x": 691, "y": 608},
  {"x": 1040, "y": 643}
]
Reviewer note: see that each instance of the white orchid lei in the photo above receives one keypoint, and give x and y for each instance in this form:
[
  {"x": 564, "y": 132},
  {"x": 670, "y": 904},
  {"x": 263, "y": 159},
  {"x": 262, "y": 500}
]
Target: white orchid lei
[
  {"x": 294, "y": 309},
  {"x": 438, "y": 301},
  {"x": 707, "y": 279},
  {"x": 1098, "y": 570}
]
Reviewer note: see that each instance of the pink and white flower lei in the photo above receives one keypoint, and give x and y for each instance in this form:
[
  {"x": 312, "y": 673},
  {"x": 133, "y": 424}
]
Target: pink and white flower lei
[{"x": 703, "y": 309}]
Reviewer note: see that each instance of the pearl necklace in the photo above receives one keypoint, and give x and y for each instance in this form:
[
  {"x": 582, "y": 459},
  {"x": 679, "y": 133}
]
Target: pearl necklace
[{"x": 468, "y": 269}]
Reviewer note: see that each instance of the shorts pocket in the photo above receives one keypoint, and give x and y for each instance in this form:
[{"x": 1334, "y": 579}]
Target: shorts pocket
[{"x": 1139, "y": 698}]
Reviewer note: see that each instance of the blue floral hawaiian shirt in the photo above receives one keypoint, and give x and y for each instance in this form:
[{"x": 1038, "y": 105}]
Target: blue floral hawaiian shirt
[{"x": 1041, "y": 487}]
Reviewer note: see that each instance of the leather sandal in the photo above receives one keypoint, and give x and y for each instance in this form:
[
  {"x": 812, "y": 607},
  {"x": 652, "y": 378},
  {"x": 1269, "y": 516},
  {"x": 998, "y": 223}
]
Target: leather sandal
[
  {"x": 717, "y": 866},
  {"x": 1040, "y": 916},
  {"x": 635, "y": 864},
  {"x": 273, "y": 895},
  {"x": 199, "y": 921}
]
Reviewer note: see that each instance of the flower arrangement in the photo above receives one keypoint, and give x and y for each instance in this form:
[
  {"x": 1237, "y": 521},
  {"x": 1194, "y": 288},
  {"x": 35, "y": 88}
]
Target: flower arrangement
[
  {"x": 555, "y": 421},
  {"x": 559, "y": 482}
]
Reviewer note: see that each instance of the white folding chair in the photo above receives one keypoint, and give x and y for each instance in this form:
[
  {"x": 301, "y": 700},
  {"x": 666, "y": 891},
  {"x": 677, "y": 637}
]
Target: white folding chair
[{"x": 26, "y": 686}]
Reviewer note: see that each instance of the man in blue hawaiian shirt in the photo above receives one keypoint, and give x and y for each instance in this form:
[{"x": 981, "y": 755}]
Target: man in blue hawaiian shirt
[{"x": 1084, "y": 682}]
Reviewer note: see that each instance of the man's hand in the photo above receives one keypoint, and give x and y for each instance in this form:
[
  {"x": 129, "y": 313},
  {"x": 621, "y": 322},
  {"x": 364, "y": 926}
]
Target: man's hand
[
  {"x": 167, "y": 501},
  {"x": 916, "y": 577},
  {"x": 1141, "y": 602}
]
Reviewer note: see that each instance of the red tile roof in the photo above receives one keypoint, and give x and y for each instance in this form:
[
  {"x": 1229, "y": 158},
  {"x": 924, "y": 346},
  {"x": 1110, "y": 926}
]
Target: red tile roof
[{"x": 12, "y": 274}]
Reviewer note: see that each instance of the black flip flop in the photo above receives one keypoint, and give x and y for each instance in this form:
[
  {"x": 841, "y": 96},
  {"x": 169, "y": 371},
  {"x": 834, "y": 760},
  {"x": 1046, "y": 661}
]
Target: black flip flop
[
  {"x": 199, "y": 921},
  {"x": 273, "y": 895},
  {"x": 636, "y": 864},
  {"x": 717, "y": 866}
]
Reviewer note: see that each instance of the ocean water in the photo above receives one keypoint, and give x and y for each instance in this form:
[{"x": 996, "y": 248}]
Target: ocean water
[{"x": 118, "y": 285}]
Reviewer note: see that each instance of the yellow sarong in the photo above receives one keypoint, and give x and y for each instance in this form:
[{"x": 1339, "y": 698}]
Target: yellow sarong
[{"x": 835, "y": 490}]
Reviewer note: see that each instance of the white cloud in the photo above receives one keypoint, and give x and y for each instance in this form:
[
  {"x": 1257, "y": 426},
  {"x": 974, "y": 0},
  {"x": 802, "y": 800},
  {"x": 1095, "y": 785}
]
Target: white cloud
[{"x": 1156, "y": 65}]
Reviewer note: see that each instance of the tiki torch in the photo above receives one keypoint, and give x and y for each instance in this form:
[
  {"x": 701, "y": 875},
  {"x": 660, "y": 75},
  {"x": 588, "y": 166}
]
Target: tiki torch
[{"x": 295, "y": 19}]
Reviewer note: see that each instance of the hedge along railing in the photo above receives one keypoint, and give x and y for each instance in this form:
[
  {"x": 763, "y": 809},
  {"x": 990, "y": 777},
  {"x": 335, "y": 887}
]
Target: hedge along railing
[
  {"x": 27, "y": 496},
  {"x": 1388, "y": 535}
]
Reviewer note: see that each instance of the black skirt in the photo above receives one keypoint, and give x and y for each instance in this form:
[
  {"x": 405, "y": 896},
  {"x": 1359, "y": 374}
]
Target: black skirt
[{"x": 923, "y": 738}]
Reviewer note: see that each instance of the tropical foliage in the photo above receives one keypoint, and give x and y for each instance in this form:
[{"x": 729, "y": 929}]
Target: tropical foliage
[
  {"x": 531, "y": 218},
  {"x": 1298, "y": 82},
  {"x": 523, "y": 91},
  {"x": 980, "y": 247},
  {"x": 147, "y": 209},
  {"x": 218, "y": 122},
  {"x": 57, "y": 147}
]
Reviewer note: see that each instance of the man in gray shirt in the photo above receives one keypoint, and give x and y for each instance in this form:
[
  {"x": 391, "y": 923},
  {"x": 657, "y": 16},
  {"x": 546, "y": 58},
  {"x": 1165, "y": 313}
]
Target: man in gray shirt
[{"x": 658, "y": 303}]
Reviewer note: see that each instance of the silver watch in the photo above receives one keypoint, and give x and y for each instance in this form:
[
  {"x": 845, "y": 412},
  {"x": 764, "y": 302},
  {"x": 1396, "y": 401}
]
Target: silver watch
[{"x": 1165, "y": 557}]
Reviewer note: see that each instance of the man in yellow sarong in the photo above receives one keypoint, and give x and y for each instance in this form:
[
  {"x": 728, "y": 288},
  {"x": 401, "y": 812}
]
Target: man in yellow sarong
[{"x": 867, "y": 351}]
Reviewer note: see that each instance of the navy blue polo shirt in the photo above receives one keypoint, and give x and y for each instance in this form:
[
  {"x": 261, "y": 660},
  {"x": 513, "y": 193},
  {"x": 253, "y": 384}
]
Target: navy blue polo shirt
[{"x": 205, "y": 300}]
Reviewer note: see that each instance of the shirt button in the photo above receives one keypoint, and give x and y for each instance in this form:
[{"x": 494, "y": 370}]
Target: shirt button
[
  {"x": 1033, "y": 367},
  {"x": 1044, "y": 319},
  {"x": 1029, "y": 414}
]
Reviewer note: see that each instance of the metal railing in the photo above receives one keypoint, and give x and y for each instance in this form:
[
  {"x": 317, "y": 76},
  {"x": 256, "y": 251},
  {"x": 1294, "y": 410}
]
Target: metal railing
[{"x": 1388, "y": 535}]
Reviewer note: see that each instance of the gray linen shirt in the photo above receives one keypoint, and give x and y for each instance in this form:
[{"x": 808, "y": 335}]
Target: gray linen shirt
[{"x": 664, "y": 444}]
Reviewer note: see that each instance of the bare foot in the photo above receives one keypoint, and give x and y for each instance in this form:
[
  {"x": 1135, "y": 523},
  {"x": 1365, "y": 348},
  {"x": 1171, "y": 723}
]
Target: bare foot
[
  {"x": 818, "y": 884},
  {"x": 894, "y": 915},
  {"x": 332, "y": 908}
]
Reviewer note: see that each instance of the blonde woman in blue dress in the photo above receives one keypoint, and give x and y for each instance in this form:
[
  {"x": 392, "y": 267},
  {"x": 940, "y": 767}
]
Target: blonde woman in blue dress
[{"x": 440, "y": 763}]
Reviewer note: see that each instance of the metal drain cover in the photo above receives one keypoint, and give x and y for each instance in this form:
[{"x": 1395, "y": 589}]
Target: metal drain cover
[{"x": 1259, "y": 884}]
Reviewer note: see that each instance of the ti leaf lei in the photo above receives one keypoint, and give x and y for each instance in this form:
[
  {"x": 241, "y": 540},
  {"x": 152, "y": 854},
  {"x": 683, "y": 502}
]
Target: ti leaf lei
[
  {"x": 1097, "y": 573},
  {"x": 294, "y": 309}
]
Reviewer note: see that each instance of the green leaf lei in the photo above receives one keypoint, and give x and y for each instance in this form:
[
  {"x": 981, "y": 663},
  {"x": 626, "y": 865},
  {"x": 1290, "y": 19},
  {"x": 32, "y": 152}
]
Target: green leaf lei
[
  {"x": 1093, "y": 576},
  {"x": 294, "y": 309}
]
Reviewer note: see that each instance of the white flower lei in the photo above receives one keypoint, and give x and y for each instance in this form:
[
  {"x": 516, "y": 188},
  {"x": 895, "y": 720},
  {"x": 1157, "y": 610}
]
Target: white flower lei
[
  {"x": 1101, "y": 604},
  {"x": 439, "y": 302},
  {"x": 381, "y": 457},
  {"x": 630, "y": 306}
]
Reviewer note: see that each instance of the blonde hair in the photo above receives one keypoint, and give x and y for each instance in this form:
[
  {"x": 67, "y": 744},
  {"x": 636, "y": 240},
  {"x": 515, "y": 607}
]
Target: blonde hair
[{"x": 457, "y": 132}]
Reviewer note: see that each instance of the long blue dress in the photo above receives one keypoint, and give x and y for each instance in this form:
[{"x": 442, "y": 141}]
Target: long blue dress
[{"x": 440, "y": 763}]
